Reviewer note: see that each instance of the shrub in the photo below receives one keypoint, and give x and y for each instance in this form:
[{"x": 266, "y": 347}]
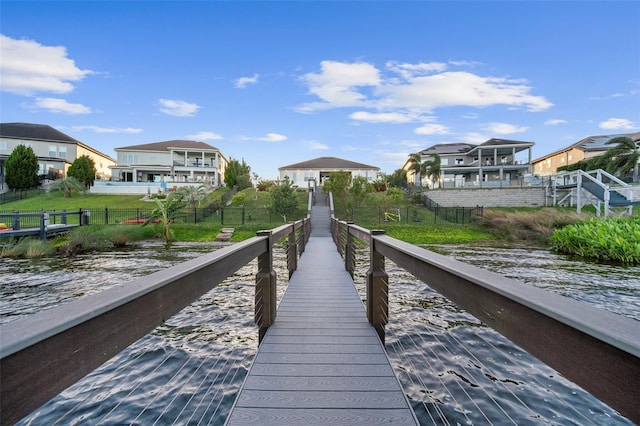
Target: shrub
[{"x": 603, "y": 239}]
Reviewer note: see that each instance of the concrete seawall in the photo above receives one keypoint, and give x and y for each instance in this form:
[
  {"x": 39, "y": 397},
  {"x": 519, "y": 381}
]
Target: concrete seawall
[{"x": 489, "y": 197}]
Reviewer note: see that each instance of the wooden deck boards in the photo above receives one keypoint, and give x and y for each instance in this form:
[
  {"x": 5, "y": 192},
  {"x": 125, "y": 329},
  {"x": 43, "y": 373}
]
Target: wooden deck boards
[{"x": 321, "y": 362}]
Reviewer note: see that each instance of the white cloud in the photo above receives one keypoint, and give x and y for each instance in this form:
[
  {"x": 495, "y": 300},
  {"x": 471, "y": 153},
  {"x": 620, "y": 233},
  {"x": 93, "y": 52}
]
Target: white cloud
[
  {"x": 99, "y": 129},
  {"x": 317, "y": 145},
  {"x": 554, "y": 122},
  {"x": 204, "y": 136},
  {"x": 242, "y": 82},
  {"x": 409, "y": 71},
  {"x": 474, "y": 138},
  {"x": 432, "y": 129},
  {"x": 505, "y": 128},
  {"x": 422, "y": 88},
  {"x": 60, "y": 106},
  {"x": 382, "y": 117},
  {"x": 273, "y": 137},
  {"x": 618, "y": 124},
  {"x": 27, "y": 67},
  {"x": 336, "y": 84},
  {"x": 178, "y": 108}
]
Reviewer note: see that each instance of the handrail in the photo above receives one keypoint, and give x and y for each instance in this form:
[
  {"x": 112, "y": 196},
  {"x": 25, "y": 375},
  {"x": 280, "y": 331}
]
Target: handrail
[
  {"x": 44, "y": 353},
  {"x": 594, "y": 348}
]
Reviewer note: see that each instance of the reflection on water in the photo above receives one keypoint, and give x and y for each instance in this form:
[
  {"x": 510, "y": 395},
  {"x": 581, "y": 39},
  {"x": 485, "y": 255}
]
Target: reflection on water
[{"x": 454, "y": 369}]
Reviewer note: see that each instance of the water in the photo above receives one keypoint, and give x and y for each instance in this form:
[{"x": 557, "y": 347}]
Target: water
[{"x": 454, "y": 369}]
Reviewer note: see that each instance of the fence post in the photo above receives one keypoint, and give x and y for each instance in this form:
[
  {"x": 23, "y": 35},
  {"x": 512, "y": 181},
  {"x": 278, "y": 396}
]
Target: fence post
[
  {"x": 265, "y": 294},
  {"x": 222, "y": 216},
  {"x": 64, "y": 216},
  {"x": 16, "y": 221},
  {"x": 292, "y": 251},
  {"x": 377, "y": 289},
  {"x": 349, "y": 252},
  {"x": 44, "y": 222},
  {"x": 106, "y": 215}
]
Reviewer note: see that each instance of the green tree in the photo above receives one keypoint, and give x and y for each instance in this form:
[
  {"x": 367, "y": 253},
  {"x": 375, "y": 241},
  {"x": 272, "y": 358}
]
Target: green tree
[
  {"x": 338, "y": 184},
  {"x": 237, "y": 174},
  {"x": 433, "y": 168},
  {"x": 165, "y": 213},
  {"x": 83, "y": 169},
  {"x": 21, "y": 168},
  {"x": 283, "y": 198},
  {"x": 359, "y": 190},
  {"x": 623, "y": 157},
  {"x": 398, "y": 179},
  {"x": 193, "y": 195},
  {"x": 68, "y": 185}
]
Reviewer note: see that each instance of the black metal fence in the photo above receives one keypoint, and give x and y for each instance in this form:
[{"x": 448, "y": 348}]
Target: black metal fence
[{"x": 453, "y": 214}]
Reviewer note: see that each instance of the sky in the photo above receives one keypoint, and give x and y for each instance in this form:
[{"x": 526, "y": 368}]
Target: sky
[{"x": 278, "y": 82}]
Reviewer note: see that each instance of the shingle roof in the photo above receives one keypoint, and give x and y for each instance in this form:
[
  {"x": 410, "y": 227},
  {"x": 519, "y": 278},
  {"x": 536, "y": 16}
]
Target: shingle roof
[
  {"x": 448, "y": 148},
  {"x": 329, "y": 163},
  {"x": 591, "y": 143},
  {"x": 166, "y": 145},
  {"x": 31, "y": 131}
]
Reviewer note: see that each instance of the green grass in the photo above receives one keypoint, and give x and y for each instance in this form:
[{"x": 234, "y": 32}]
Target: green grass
[
  {"x": 56, "y": 201},
  {"x": 440, "y": 233}
]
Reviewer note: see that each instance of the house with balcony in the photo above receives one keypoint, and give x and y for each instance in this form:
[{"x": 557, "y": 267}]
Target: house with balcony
[
  {"x": 494, "y": 163},
  {"x": 319, "y": 169},
  {"x": 584, "y": 149},
  {"x": 174, "y": 161},
  {"x": 55, "y": 150}
]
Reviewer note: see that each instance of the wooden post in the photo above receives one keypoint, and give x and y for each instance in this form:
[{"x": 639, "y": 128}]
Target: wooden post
[
  {"x": 349, "y": 253},
  {"x": 292, "y": 251},
  {"x": 44, "y": 222},
  {"x": 265, "y": 295},
  {"x": 377, "y": 289}
]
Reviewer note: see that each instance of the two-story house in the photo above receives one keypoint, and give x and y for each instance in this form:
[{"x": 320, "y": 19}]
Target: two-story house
[
  {"x": 170, "y": 161},
  {"x": 55, "y": 150},
  {"x": 584, "y": 149},
  {"x": 496, "y": 162}
]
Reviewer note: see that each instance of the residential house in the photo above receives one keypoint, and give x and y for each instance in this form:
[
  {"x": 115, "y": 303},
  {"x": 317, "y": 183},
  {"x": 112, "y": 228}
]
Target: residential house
[
  {"x": 496, "y": 162},
  {"x": 319, "y": 169},
  {"x": 55, "y": 150},
  {"x": 170, "y": 161},
  {"x": 584, "y": 149}
]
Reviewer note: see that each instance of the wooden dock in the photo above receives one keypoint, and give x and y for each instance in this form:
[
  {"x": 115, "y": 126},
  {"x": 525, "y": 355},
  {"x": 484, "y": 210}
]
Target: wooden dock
[
  {"x": 50, "y": 230},
  {"x": 321, "y": 362}
]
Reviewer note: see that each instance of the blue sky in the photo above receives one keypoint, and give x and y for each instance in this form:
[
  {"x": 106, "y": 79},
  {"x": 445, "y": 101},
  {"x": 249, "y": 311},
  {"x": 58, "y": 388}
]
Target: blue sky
[{"x": 276, "y": 83}]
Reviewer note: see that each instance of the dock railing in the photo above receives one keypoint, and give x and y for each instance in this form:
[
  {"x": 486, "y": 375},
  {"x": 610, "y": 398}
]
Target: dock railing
[
  {"x": 44, "y": 353},
  {"x": 596, "y": 349}
]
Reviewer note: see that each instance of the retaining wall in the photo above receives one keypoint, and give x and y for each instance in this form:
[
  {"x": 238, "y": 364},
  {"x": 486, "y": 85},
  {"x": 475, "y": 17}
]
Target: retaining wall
[{"x": 489, "y": 197}]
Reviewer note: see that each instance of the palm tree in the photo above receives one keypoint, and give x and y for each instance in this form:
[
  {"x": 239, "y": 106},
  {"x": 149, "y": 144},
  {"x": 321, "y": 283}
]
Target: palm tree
[
  {"x": 193, "y": 195},
  {"x": 164, "y": 213},
  {"x": 433, "y": 169},
  {"x": 624, "y": 156},
  {"x": 415, "y": 165}
]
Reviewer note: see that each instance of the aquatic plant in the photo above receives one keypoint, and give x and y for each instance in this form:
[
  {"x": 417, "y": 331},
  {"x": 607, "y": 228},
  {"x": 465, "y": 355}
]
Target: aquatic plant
[{"x": 614, "y": 239}]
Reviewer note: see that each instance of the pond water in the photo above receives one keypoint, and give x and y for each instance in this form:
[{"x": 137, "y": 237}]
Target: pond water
[{"x": 454, "y": 369}]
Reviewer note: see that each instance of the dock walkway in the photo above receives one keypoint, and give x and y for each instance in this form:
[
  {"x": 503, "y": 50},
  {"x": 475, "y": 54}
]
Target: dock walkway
[{"x": 321, "y": 362}]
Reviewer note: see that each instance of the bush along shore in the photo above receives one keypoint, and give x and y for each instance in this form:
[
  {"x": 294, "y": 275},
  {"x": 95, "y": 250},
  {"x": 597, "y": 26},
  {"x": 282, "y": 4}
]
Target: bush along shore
[{"x": 614, "y": 239}]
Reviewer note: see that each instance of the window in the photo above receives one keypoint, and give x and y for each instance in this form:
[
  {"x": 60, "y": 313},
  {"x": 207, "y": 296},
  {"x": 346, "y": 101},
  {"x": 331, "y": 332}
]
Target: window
[
  {"x": 62, "y": 152},
  {"x": 53, "y": 151},
  {"x": 3, "y": 145},
  {"x": 459, "y": 161}
]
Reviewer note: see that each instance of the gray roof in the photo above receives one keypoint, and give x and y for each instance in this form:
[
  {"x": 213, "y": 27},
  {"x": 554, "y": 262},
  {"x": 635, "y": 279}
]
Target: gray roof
[
  {"x": 329, "y": 163},
  {"x": 599, "y": 143},
  {"x": 167, "y": 145},
  {"x": 29, "y": 131},
  {"x": 448, "y": 148},
  {"x": 591, "y": 143}
]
